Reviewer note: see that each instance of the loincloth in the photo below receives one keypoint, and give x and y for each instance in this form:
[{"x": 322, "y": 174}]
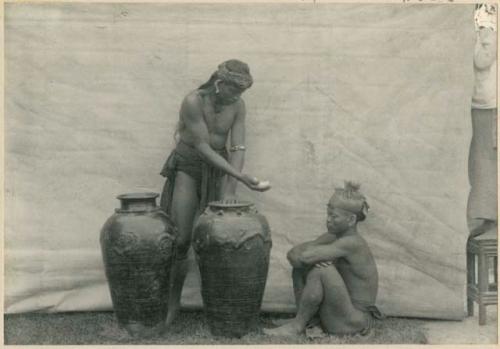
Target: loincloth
[
  {"x": 371, "y": 312},
  {"x": 185, "y": 158}
]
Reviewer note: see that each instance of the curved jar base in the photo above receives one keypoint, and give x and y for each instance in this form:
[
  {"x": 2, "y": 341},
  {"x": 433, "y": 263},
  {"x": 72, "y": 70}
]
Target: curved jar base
[
  {"x": 138, "y": 330},
  {"x": 232, "y": 329},
  {"x": 233, "y": 283}
]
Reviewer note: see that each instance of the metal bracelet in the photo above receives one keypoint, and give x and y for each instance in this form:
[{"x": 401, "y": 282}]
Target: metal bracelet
[{"x": 237, "y": 148}]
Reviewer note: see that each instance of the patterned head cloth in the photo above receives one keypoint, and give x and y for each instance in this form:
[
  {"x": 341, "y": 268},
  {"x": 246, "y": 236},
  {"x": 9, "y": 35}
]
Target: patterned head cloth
[
  {"x": 350, "y": 199},
  {"x": 235, "y": 72},
  {"x": 485, "y": 16}
]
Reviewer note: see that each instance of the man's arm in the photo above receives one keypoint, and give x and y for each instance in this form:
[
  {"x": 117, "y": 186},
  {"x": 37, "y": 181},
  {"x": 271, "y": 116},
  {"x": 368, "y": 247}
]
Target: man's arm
[
  {"x": 485, "y": 52},
  {"x": 294, "y": 255},
  {"x": 318, "y": 253},
  {"x": 237, "y": 157},
  {"x": 196, "y": 128},
  {"x": 299, "y": 282}
]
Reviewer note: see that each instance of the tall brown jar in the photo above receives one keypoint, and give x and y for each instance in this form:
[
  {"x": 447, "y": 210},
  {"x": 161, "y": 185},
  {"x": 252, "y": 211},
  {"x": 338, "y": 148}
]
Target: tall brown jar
[
  {"x": 137, "y": 244},
  {"x": 232, "y": 243}
]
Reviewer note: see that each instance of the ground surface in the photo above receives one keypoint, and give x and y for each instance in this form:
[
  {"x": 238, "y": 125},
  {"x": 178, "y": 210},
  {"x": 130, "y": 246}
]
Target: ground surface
[
  {"x": 467, "y": 331},
  {"x": 190, "y": 328}
]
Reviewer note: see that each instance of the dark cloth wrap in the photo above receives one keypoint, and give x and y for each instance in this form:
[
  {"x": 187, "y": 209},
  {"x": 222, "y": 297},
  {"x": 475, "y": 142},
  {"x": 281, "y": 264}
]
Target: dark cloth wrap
[
  {"x": 187, "y": 159},
  {"x": 371, "y": 312}
]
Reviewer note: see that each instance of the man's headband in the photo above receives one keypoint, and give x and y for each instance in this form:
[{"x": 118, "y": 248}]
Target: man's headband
[{"x": 242, "y": 80}]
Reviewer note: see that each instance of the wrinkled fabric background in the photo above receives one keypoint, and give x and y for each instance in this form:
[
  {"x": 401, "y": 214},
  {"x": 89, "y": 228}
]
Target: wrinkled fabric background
[{"x": 375, "y": 93}]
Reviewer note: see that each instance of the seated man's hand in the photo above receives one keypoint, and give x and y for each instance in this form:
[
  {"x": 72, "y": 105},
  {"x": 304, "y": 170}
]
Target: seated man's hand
[{"x": 323, "y": 264}]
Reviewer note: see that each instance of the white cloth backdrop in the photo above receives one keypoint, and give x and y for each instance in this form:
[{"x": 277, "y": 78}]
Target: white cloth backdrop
[{"x": 375, "y": 93}]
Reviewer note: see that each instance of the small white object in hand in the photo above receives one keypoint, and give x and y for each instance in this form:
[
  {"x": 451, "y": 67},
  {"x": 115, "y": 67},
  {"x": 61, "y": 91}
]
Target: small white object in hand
[{"x": 264, "y": 185}]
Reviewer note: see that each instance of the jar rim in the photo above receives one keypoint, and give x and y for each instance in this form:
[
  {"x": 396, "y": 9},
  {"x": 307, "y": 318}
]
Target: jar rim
[
  {"x": 138, "y": 196},
  {"x": 222, "y": 204}
]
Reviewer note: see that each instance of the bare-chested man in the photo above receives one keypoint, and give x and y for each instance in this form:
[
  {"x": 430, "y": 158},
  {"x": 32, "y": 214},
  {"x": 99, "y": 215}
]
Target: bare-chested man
[
  {"x": 196, "y": 170},
  {"x": 335, "y": 276}
]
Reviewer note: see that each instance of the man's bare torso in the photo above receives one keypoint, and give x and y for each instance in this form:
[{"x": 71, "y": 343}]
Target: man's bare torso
[
  {"x": 218, "y": 124},
  {"x": 359, "y": 272}
]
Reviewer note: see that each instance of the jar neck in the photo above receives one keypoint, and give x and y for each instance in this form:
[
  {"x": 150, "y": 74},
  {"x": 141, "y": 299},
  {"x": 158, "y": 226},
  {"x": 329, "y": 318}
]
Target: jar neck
[
  {"x": 219, "y": 206},
  {"x": 231, "y": 209},
  {"x": 137, "y": 202},
  {"x": 242, "y": 205}
]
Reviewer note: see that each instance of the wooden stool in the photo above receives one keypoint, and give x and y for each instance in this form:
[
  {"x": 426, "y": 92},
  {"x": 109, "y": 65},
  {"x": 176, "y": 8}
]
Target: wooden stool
[{"x": 481, "y": 254}]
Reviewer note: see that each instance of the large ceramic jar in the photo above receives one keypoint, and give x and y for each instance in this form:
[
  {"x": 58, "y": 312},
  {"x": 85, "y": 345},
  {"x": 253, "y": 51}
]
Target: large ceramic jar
[
  {"x": 137, "y": 244},
  {"x": 232, "y": 244}
]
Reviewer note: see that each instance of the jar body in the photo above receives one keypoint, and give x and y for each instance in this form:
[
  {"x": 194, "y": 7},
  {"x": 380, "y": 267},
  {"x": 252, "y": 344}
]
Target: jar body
[
  {"x": 137, "y": 244},
  {"x": 232, "y": 245}
]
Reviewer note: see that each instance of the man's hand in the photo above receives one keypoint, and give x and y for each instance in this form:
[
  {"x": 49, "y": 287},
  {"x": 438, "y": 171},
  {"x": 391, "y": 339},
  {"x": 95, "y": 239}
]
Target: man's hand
[
  {"x": 323, "y": 264},
  {"x": 253, "y": 183}
]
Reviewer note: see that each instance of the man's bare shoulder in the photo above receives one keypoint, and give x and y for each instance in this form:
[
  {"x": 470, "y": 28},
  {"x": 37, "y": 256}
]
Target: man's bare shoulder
[
  {"x": 324, "y": 238},
  {"x": 240, "y": 103},
  {"x": 192, "y": 107},
  {"x": 352, "y": 242},
  {"x": 192, "y": 99}
]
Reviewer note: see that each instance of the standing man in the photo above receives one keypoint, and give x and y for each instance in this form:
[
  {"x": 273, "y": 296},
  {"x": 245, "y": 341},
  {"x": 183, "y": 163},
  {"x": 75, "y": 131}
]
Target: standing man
[
  {"x": 199, "y": 169},
  {"x": 482, "y": 204}
]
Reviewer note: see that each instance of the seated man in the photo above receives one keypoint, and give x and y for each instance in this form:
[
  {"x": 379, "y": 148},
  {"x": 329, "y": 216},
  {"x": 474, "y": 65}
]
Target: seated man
[{"x": 335, "y": 276}]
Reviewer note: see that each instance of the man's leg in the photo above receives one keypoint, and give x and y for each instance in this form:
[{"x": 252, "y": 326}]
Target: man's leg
[
  {"x": 184, "y": 206},
  {"x": 325, "y": 292},
  {"x": 299, "y": 276},
  {"x": 311, "y": 297},
  {"x": 338, "y": 314}
]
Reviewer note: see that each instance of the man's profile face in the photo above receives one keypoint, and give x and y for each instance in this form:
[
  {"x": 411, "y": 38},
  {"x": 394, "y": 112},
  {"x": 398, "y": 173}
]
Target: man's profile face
[
  {"x": 486, "y": 33},
  {"x": 337, "y": 220},
  {"x": 229, "y": 93}
]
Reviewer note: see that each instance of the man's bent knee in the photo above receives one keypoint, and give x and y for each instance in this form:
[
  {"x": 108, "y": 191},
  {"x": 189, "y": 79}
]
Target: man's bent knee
[
  {"x": 329, "y": 271},
  {"x": 181, "y": 250},
  {"x": 313, "y": 298}
]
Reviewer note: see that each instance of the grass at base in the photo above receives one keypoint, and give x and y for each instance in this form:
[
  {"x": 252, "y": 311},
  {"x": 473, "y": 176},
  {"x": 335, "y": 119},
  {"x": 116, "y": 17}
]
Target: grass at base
[{"x": 190, "y": 328}]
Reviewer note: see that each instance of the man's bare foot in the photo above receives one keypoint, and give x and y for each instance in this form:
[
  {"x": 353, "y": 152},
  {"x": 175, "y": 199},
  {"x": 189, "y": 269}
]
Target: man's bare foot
[
  {"x": 315, "y": 321},
  {"x": 288, "y": 329},
  {"x": 281, "y": 322}
]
